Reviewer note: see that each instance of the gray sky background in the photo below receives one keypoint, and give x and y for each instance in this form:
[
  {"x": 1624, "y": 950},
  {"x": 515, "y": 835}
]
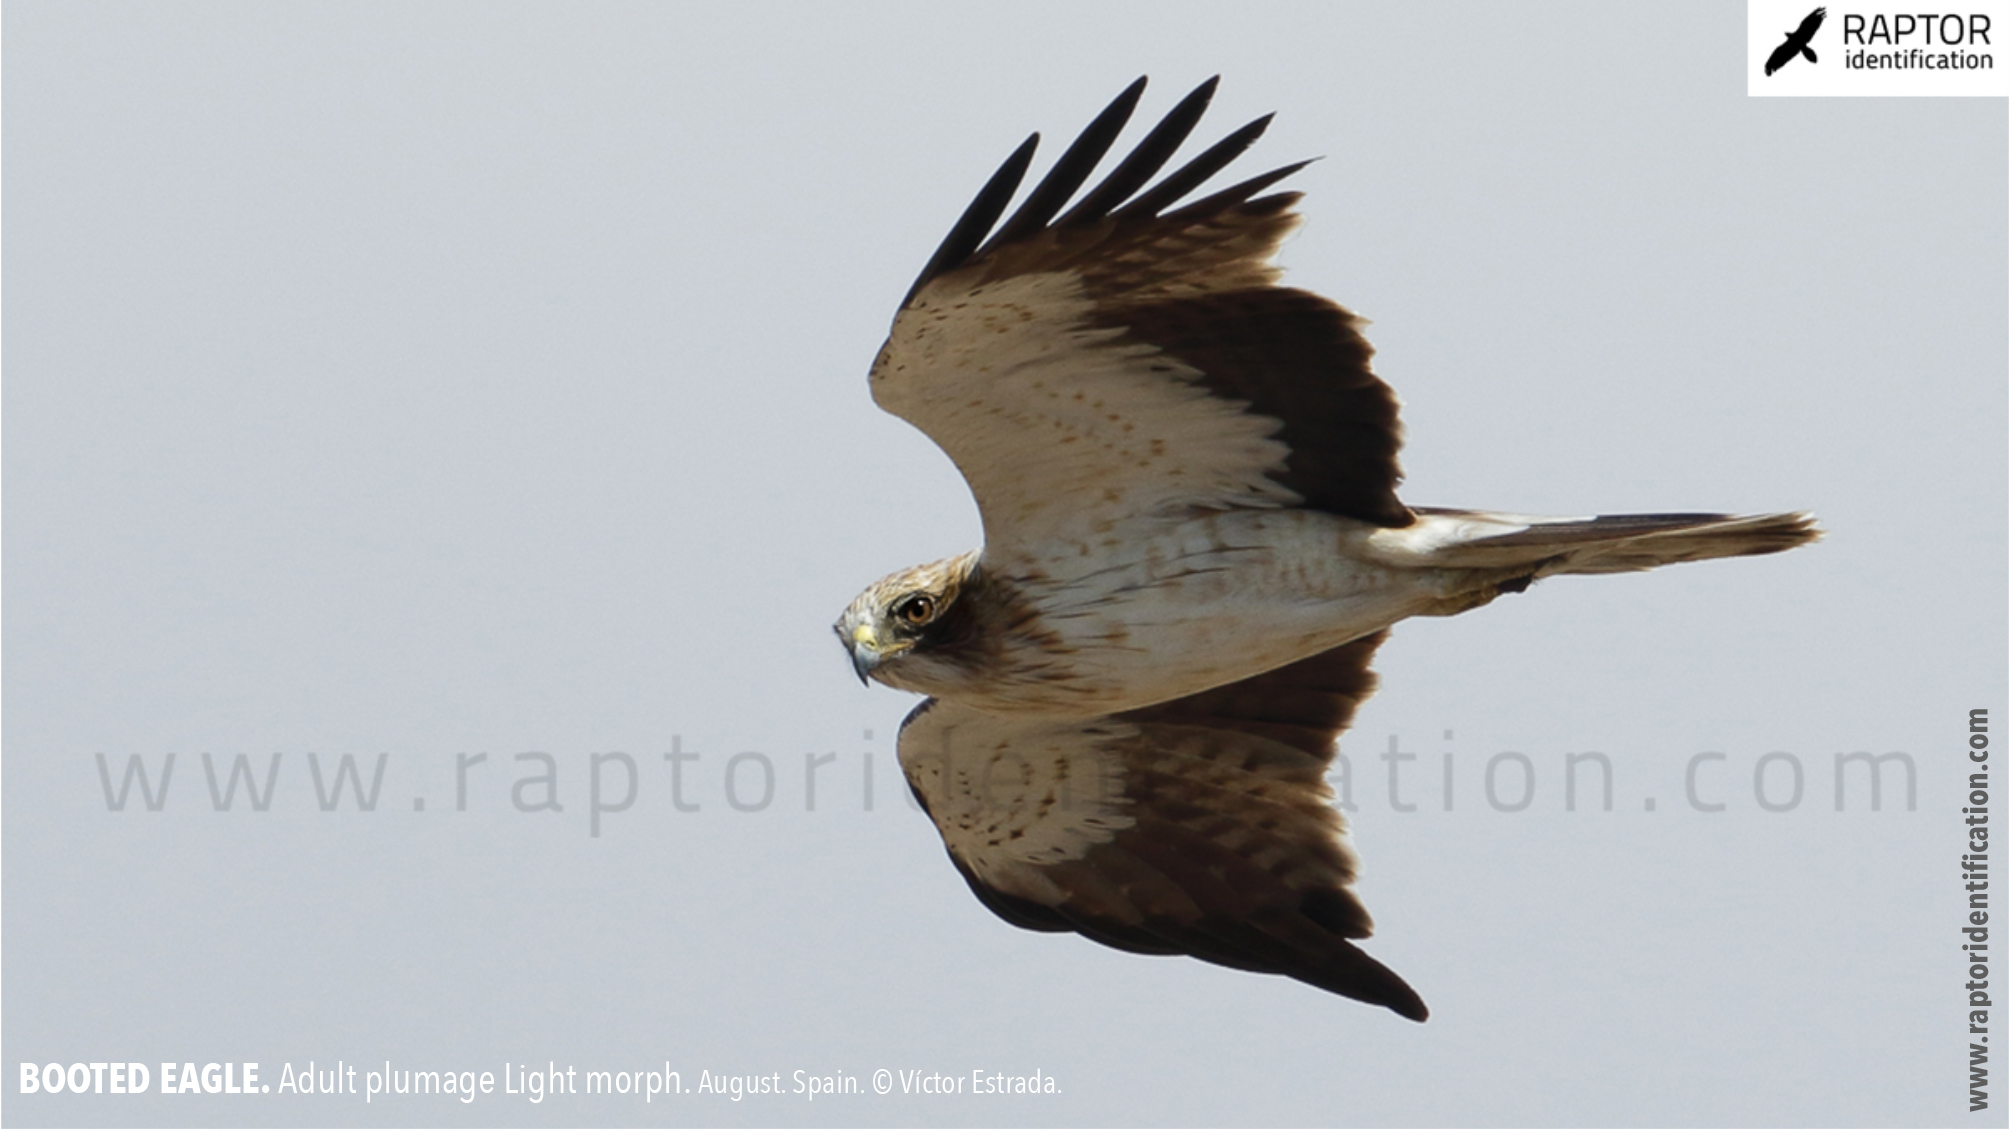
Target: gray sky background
[{"x": 441, "y": 379}]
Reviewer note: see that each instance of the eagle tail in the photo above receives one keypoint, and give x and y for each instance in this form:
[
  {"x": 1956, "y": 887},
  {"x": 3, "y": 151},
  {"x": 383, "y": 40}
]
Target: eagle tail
[
  {"x": 1810, "y": 53},
  {"x": 1618, "y": 543}
]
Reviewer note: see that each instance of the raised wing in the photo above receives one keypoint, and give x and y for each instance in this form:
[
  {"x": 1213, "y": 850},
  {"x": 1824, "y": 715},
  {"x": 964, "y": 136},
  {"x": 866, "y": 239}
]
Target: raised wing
[
  {"x": 1130, "y": 358},
  {"x": 1201, "y": 826}
]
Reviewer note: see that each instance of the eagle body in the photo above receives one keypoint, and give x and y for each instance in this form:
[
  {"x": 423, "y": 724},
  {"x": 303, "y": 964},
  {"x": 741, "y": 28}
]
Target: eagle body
[
  {"x": 1192, "y": 547},
  {"x": 1150, "y": 611}
]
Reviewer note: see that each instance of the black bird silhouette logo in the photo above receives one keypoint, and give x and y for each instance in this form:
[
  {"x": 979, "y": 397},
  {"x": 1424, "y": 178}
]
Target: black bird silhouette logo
[{"x": 1797, "y": 42}]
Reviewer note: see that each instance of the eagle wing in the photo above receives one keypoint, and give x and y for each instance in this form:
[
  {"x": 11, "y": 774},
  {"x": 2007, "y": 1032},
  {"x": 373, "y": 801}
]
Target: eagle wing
[
  {"x": 1134, "y": 356},
  {"x": 1200, "y": 826}
]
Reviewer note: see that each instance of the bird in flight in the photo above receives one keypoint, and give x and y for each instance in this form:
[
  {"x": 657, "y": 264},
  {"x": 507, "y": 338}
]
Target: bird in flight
[
  {"x": 1186, "y": 475},
  {"x": 1797, "y": 42}
]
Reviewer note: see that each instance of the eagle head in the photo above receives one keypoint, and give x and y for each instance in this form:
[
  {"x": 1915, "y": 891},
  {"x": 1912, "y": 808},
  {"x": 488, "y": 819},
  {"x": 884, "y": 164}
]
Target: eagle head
[{"x": 893, "y": 629}]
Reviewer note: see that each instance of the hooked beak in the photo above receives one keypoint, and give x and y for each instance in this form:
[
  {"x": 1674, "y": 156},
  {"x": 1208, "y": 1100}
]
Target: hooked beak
[
  {"x": 865, "y": 653},
  {"x": 863, "y": 660}
]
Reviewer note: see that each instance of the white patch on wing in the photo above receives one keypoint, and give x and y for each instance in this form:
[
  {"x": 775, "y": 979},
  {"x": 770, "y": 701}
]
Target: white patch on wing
[
  {"x": 1415, "y": 545},
  {"x": 1583, "y": 544},
  {"x": 1063, "y": 429},
  {"x": 1012, "y": 795}
]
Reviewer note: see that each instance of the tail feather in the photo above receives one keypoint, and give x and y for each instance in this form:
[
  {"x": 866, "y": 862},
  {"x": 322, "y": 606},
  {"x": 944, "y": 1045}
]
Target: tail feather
[{"x": 1618, "y": 543}]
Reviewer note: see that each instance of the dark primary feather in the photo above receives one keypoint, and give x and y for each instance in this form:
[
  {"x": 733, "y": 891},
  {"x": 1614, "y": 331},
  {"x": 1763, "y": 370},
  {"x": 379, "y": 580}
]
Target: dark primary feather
[
  {"x": 1146, "y": 160},
  {"x": 1069, "y": 173},
  {"x": 1238, "y": 193},
  {"x": 1190, "y": 175},
  {"x": 1290, "y": 356},
  {"x": 970, "y": 228},
  {"x": 966, "y": 241}
]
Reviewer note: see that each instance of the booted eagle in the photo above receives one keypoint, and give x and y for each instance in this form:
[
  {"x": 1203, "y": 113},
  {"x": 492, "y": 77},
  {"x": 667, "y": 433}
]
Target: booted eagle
[{"x": 1192, "y": 547}]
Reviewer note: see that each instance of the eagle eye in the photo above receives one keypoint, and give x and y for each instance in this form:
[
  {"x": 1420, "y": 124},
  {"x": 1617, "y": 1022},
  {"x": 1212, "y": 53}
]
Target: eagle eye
[{"x": 915, "y": 609}]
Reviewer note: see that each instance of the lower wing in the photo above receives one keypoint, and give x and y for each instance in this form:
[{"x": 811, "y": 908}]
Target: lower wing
[{"x": 1201, "y": 826}]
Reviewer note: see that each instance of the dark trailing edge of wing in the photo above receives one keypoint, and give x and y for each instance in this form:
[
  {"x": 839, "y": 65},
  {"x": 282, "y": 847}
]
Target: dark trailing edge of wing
[
  {"x": 1299, "y": 359},
  {"x": 1337, "y": 966},
  {"x": 967, "y": 240}
]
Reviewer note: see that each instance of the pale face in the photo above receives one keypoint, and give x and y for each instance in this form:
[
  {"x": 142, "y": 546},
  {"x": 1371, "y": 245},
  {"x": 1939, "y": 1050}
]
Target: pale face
[{"x": 896, "y": 617}]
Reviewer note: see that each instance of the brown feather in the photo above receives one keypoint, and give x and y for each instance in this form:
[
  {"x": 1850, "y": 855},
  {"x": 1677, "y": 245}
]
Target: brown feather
[{"x": 1211, "y": 832}]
